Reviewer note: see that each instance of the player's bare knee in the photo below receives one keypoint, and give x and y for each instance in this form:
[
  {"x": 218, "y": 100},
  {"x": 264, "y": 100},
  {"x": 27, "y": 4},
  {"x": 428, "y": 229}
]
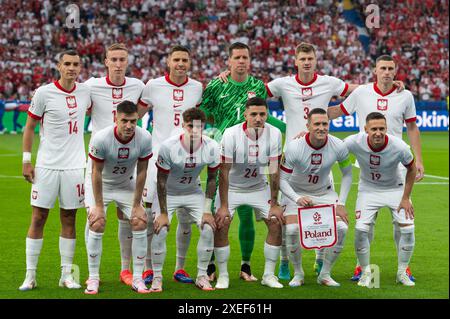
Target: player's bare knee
[
  {"x": 98, "y": 226},
  {"x": 406, "y": 228},
  {"x": 274, "y": 227},
  {"x": 138, "y": 224}
]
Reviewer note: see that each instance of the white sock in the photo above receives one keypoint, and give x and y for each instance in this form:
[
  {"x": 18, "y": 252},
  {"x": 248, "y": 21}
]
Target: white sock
[
  {"x": 406, "y": 247},
  {"x": 271, "y": 254},
  {"x": 320, "y": 254},
  {"x": 362, "y": 248},
  {"x": 205, "y": 248},
  {"x": 95, "y": 241},
  {"x": 294, "y": 249},
  {"x": 284, "y": 256},
  {"x": 397, "y": 235},
  {"x": 159, "y": 251},
  {"x": 222, "y": 255},
  {"x": 86, "y": 233},
  {"x": 148, "y": 259},
  {"x": 139, "y": 250},
  {"x": 184, "y": 232},
  {"x": 32, "y": 251},
  {"x": 125, "y": 241},
  {"x": 67, "y": 251},
  {"x": 332, "y": 253}
]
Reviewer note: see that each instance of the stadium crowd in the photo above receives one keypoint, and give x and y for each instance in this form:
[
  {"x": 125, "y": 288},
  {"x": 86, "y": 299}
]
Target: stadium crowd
[{"x": 33, "y": 32}]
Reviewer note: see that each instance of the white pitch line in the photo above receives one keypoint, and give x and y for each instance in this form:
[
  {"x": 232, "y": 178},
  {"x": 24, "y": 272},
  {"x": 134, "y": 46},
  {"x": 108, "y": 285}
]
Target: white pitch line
[
  {"x": 9, "y": 176},
  {"x": 437, "y": 177},
  {"x": 9, "y": 155}
]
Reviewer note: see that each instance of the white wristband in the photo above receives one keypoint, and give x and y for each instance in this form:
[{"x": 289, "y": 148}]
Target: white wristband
[
  {"x": 26, "y": 158},
  {"x": 208, "y": 203}
]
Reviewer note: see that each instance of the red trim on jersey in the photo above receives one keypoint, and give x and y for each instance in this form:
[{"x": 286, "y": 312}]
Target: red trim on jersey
[
  {"x": 413, "y": 119},
  {"x": 146, "y": 158},
  {"x": 285, "y": 169},
  {"x": 306, "y": 84},
  {"x": 142, "y": 103},
  {"x": 375, "y": 87},
  {"x": 189, "y": 150},
  {"x": 244, "y": 127},
  {"x": 162, "y": 169},
  {"x": 268, "y": 90},
  {"x": 386, "y": 140},
  {"x": 345, "y": 89},
  {"x": 410, "y": 163},
  {"x": 276, "y": 158},
  {"x": 90, "y": 106},
  {"x": 63, "y": 89},
  {"x": 309, "y": 142},
  {"x": 213, "y": 169},
  {"x": 173, "y": 83},
  {"x": 227, "y": 160},
  {"x": 343, "y": 109},
  {"x": 34, "y": 116},
  {"x": 119, "y": 139},
  {"x": 96, "y": 158},
  {"x": 112, "y": 84}
]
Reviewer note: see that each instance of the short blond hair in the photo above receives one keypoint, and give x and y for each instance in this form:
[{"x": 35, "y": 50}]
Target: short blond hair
[
  {"x": 115, "y": 47},
  {"x": 305, "y": 47}
]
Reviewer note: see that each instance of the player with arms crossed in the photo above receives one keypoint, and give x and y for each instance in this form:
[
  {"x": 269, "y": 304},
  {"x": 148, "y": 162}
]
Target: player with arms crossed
[
  {"x": 247, "y": 149},
  {"x": 381, "y": 184},
  {"x": 168, "y": 97},
  {"x": 305, "y": 181},
  {"x": 61, "y": 108},
  {"x": 106, "y": 93},
  {"x": 398, "y": 107},
  {"x": 116, "y": 151},
  {"x": 225, "y": 102},
  {"x": 180, "y": 162}
]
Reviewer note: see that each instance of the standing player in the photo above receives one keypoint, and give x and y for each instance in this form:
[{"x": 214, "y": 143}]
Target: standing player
[
  {"x": 305, "y": 181},
  {"x": 381, "y": 184},
  {"x": 106, "y": 93},
  {"x": 247, "y": 149},
  {"x": 168, "y": 97},
  {"x": 398, "y": 107},
  {"x": 61, "y": 108},
  {"x": 180, "y": 162},
  {"x": 116, "y": 151},
  {"x": 225, "y": 102}
]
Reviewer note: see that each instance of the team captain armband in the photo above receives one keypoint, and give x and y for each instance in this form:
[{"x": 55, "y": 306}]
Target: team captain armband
[{"x": 345, "y": 163}]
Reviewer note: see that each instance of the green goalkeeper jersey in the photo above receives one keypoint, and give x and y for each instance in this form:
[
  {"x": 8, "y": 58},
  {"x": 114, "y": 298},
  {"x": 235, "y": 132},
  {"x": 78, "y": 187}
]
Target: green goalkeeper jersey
[{"x": 226, "y": 101}]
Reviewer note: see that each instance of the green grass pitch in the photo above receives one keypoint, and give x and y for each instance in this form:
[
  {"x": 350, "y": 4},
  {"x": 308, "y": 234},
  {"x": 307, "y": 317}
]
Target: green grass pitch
[{"x": 430, "y": 263}]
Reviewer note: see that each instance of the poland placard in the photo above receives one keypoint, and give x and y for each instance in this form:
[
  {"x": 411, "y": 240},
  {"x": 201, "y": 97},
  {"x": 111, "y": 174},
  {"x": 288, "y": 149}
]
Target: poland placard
[{"x": 317, "y": 226}]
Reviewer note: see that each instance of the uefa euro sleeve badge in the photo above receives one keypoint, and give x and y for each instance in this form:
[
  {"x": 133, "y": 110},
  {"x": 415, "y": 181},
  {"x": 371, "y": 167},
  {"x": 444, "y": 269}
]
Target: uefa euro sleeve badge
[{"x": 317, "y": 226}]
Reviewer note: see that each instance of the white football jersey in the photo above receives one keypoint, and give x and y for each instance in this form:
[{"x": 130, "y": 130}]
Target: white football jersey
[
  {"x": 299, "y": 98},
  {"x": 398, "y": 107},
  {"x": 168, "y": 101},
  {"x": 62, "y": 114},
  {"x": 250, "y": 157},
  {"x": 379, "y": 168},
  {"x": 184, "y": 166},
  {"x": 120, "y": 157},
  {"x": 310, "y": 167},
  {"x": 106, "y": 96}
]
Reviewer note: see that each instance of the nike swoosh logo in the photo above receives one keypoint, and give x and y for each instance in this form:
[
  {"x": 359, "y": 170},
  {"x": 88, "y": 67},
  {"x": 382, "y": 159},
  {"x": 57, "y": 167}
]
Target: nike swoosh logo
[
  {"x": 186, "y": 233},
  {"x": 223, "y": 96},
  {"x": 72, "y": 113},
  {"x": 93, "y": 256},
  {"x": 129, "y": 237},
  {"x": 293, "y": 251},
  {"x": 138, "y": 257},
  {"x": 175, "y": 106},
  {"x": 209, "y": 250},
  {"x": 306, "y": 99},
  {"x": 117, "y": 102},
  {"x": 157, "y": 254}
]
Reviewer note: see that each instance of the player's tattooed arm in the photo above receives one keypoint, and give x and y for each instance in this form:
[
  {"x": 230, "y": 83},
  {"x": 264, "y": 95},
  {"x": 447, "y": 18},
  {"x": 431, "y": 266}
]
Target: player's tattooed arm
[
  {"x": 208, "y": 218},
  {"x": 161, "y": 186},
  {"x": 211, "y": 184},
  {"x": 96, "y": 215},
  {"x": 406, "y": 203},
  {"x": 223, "y": 214},
  {"x": 28, "y": 136},
  {"x": 141, "y": 174},
  {"x": 334, "y": 112},
  {"x": 274, "y": 174}
]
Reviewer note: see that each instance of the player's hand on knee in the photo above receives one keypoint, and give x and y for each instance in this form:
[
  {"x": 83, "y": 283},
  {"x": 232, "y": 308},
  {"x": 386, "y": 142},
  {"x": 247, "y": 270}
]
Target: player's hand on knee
[
  {"x": 28, "y": 172},
  {"x": 138, "y": 217},
  {"x": 304, "y": 201},
  {"x": 276, "y": 212},
  {"x": 161, "y": 221},
  {"x": 224, "y": 76},
  {"x": 420, "y": 171},
  {"x": 400, "y": 85},
  {"x": 208, "y": 219},
  {"x": 342, "y": 213},
  {"x": 406, "y": 205},
  {"x": 96, "y": 219},
  {"x": 222, "y": 217},
  {"x": 300, "y": 135}
]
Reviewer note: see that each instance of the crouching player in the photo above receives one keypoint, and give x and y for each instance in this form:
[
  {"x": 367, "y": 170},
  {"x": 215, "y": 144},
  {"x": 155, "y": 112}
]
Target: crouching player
[
  {"x": 116, "y": 152},
  {"x": 381, "y": 184},
  {"x": 305, "y": 181},
  {"x": 247, "y": 149},
  {"x": 180, "y": 161}
]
